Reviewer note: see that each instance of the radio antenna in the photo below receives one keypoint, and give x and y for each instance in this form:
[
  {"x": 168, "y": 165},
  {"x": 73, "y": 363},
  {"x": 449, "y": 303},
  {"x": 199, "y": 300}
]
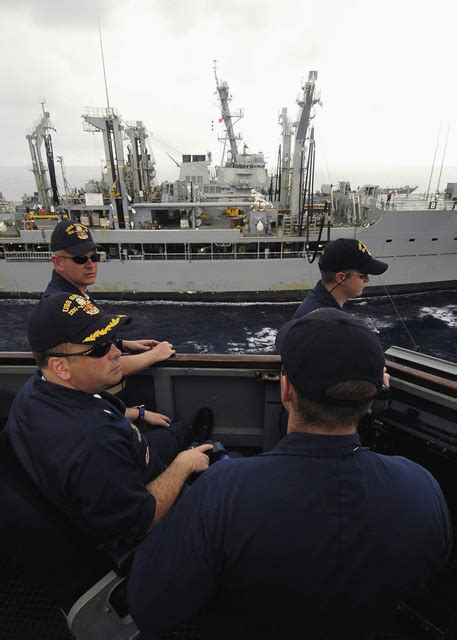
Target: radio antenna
[
  {"x": 442, "y": 161},
  {"x": 415, "y": 345},
  {"x": 103, "y": 62}
]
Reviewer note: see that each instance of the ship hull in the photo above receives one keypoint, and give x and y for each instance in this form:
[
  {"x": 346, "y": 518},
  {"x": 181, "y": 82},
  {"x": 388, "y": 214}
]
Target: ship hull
[{"x": 420, "y": 248}]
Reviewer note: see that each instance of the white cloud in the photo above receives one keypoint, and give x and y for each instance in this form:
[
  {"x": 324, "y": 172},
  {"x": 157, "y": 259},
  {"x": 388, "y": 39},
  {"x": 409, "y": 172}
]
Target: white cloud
[{"x": 385, "y": 72}]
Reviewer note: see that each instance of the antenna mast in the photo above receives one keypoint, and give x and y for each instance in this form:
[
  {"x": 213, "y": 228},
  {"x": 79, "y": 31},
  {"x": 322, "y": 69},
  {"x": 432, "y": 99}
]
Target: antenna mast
[
  {"x": 442, "y": 161},
  {"x": 433, "y": 163},
  {"x": 224, "y": 97},
  {"x": 103, "y": 63}
]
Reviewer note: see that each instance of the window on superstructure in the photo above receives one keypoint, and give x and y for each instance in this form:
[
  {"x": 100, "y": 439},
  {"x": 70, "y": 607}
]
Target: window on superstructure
[
  {"x": 176, "y": 251},
  {"x": 389, "y": 240},
  {"x": 200, "y": 251},
  {"x": 154, "y": 251},
  {"x": 223, "y": 251}
]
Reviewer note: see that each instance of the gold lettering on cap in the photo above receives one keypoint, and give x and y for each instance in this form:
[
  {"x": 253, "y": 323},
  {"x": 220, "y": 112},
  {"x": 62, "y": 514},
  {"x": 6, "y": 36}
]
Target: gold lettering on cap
[
  {"x": 79, "y": 229},
  {"x": 361, "y": 247},
  {"x": 75, "y": 303}
]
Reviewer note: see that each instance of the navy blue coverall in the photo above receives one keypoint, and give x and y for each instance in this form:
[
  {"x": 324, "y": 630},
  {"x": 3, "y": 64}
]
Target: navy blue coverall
[{"x": 319, "y": 535}]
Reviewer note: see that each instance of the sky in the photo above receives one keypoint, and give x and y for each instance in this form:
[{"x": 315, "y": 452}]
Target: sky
[{"x": 386, "y": 76}]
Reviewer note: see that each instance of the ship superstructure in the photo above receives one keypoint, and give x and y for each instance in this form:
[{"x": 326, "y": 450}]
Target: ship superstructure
[{"x": 202, "y": 238}]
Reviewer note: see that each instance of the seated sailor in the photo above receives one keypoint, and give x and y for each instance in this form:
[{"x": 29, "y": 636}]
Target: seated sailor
[{"x": 73, "y": 438}]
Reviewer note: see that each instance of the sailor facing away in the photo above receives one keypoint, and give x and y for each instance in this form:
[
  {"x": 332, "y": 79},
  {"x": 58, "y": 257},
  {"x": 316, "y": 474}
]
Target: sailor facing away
[
  {"x": 319, "y": 537},
  {"x": 75, "y": 260},
  {"x": 345, "y": 266}
]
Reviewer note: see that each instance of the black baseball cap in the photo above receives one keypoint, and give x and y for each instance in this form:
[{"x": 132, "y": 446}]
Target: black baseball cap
[
  {"x": 348, "y": 253},
  {"x": 73, "y": 318},
  {"x": 326, "y": 347},
  {"x": 72, "y": 237}
]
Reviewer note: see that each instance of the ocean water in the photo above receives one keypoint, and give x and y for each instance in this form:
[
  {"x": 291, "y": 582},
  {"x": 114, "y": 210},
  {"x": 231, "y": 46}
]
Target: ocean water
[{"x": 427, "y": 323}]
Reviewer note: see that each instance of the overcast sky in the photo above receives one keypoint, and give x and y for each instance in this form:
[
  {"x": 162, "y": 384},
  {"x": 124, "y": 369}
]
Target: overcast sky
[{"x": 387, "y": 75}]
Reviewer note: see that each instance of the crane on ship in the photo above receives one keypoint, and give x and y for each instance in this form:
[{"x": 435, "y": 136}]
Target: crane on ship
[
  {"x": 225, "y": 97},
  {"x": 48, "y": 195}
]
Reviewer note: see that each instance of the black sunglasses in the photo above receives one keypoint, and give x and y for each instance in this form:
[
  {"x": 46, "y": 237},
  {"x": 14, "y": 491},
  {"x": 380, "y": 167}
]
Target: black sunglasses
[
  {"x": 95, "y": 257},
  {"x": 98, "y": 351}
]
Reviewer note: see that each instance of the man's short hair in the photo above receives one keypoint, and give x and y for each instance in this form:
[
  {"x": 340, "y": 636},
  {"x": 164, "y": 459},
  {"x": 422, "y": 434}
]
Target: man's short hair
[
  {"x": 324, "y": 416},
  {"x": 42, "y": 357},
  {"x": 328, "y": 277},
  {"x": 328, "y": 347}
]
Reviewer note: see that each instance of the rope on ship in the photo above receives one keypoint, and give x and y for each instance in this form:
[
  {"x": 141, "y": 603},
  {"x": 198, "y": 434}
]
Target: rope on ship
[{"x": 307, "y": 208}]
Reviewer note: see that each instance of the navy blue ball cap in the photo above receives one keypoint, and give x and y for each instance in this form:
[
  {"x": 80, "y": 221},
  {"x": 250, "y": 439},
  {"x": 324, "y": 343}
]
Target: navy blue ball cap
[
  {"x": 73, "y": 318},
  {"x": 348, "y": 253},
  {"x": 72, "y": 237},
  {"x": 326, "y": 347}
]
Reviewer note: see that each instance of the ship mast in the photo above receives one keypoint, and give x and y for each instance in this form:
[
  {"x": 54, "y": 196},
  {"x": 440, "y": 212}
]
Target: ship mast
[
  {"x": 305, "y": 103},
  {"x": 66, "y": 186},
  {"x": 286, "y": 137},
  {"x": 109, "y": 123},
  {"x": 141, "y": 162},
  {"x": 224, "y": 97},
  {"x": 36, "y": 139}
]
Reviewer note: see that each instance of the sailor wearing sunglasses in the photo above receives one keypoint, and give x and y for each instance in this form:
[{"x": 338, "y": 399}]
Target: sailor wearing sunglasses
[
  {"x": 75, "y": 259},
  {"x": 345, "y": 267},
  {"x": 74, "y": 438}
]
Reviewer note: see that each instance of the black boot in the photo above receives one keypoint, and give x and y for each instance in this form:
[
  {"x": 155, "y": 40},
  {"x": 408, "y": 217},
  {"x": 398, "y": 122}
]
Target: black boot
[{"x": 202, "y": 425}]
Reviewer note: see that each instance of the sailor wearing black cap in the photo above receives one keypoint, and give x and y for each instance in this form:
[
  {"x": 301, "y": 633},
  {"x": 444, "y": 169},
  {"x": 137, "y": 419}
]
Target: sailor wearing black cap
[
  {"x": 75, "y": 258},
  {"x": 345, "y": 266},
  {"x": 318, "y": 538},
  {"x": 73, "y": 437}
]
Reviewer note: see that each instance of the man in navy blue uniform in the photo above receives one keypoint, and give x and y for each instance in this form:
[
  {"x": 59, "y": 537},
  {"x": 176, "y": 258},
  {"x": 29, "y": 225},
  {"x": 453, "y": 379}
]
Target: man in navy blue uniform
[
  {"x": 345, "y": 266},
  {"x": 75, "y": 259},
  {"x": 318, "y": 538},
  {"x": 74, "y": 439}
]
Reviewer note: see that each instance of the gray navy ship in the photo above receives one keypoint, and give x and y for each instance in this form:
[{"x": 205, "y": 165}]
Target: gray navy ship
[{"x": 235, "y": 233}]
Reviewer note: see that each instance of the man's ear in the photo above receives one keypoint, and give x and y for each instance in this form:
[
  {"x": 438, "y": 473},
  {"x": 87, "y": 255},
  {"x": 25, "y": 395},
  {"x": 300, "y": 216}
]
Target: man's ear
[
  {"x": 58, "y": 366},
  {"x": 55, "y": 262},
  {"x": 286, "y": 389},
  {"x": 340, "y": 277}
]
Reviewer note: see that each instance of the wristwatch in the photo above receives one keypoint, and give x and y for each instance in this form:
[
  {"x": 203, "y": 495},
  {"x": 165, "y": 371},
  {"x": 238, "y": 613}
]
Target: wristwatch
[{"x": 141, "y": 411}]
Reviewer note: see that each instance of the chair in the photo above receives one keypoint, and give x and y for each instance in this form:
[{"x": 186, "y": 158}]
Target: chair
[{"x": 80, "y": 579}]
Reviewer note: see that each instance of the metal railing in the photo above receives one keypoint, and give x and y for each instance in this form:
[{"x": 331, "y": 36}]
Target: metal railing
[
  {"x": 259, "y": 254},
  {"x": 27, "y": 255}
]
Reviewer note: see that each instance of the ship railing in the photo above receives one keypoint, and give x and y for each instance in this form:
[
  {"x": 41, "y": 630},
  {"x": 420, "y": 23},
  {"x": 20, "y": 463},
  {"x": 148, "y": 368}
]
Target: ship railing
[
  {"x": 422, "y": 204},
  {"x": 13, "y": 256},
  {"x": 259, "y": 253}
]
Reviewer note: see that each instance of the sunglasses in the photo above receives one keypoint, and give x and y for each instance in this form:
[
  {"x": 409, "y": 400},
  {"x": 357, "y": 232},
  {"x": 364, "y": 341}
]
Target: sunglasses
[
  {"x": 95, "y": 257},
  {"x": 98, "y": 351}
]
